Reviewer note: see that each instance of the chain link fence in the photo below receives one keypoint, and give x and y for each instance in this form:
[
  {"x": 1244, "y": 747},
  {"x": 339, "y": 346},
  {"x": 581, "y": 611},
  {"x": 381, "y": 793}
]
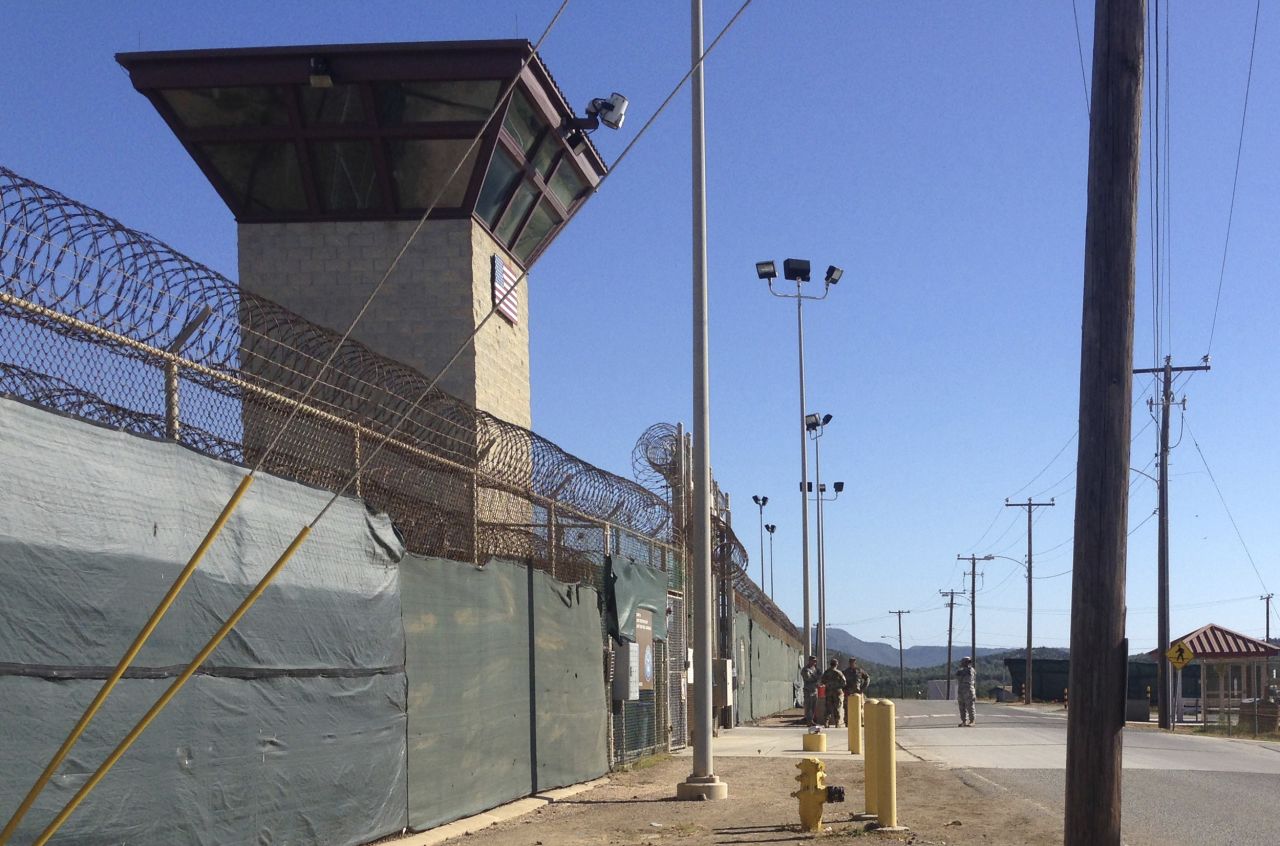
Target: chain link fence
[{"x": 107, "y": 324}]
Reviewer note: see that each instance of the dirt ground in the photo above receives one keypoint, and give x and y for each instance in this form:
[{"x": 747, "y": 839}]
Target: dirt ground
[{"x": 639, "y": 808}]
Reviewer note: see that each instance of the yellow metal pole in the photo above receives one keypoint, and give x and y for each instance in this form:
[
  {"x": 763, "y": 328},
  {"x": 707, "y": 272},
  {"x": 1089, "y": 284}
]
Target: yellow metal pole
[
  {"x": 127, "y": 659},
  {"x": 853, "y": 720},
  {"x": 870, "y": 766},
  {"x": 168, "y": 695},
  {"x": 886, "y": 775}
]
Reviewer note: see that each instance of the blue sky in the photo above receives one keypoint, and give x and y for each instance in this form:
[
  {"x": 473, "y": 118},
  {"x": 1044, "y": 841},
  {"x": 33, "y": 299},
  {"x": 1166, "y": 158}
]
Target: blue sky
[{"x": 937, "y": 152}]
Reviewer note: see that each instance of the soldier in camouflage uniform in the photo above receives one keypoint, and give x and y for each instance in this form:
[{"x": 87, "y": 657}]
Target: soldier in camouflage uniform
[
  {"x": 856, "y": 680},
  {"x": 833, "y": 679},
  {"x": 967, "y": 691},
  {"x": 809, "y": 676}
]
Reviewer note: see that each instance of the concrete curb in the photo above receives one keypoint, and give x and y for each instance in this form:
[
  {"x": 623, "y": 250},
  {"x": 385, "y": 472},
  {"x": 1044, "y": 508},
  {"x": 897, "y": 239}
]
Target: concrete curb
[{"x": 502, "y": 813}]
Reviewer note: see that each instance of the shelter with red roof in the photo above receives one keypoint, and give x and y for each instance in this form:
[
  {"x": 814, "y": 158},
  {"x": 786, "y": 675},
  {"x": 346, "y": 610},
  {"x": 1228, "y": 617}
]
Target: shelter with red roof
[{"x": 1235, "y": 667}]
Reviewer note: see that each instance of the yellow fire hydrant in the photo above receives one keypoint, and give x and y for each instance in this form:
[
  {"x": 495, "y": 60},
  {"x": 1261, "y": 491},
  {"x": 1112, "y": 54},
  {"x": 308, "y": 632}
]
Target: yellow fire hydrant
[{"x": 814, "y": 792}]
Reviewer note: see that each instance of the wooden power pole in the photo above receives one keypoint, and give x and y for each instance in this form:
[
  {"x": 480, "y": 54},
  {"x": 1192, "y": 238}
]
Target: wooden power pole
[
  {"x": 973, "y": 602},
  {"x": 1030, "y": 506},
  {"x": 1164, "y": 679},
  {"x": 902, "y": 667},
  {"x": 1099, "y": 650},
  {"x": 951, "y": 616}
]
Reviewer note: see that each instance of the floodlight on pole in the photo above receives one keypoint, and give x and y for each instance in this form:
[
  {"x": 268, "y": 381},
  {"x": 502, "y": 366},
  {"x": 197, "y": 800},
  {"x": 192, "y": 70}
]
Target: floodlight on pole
[
  {"x": 761, "y": 501},
  {"x": 797, "y": 270}
]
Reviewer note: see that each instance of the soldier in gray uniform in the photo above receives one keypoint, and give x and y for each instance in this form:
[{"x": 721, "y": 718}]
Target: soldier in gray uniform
[{"x": 967, "y": 690}]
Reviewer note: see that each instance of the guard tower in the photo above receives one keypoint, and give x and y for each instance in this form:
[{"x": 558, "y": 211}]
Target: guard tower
[{"x": 329, "y": 155}]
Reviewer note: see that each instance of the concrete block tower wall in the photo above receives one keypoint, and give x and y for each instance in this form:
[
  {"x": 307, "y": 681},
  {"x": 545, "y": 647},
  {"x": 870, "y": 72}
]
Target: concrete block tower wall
[{"x": 439, "y": 292}]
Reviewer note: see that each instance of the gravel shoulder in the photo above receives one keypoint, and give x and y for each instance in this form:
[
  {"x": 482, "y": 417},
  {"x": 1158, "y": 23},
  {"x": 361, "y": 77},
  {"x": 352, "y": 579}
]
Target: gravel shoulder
[{"x": 939, "y": 806}]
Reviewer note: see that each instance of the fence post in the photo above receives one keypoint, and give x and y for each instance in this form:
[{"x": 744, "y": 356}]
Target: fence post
[
  {"x": 171, "y": 419},
  {"x": 358, "y": 455},
  {"x": 172, "y": 425},
  {"x": 551, "y": 537}
]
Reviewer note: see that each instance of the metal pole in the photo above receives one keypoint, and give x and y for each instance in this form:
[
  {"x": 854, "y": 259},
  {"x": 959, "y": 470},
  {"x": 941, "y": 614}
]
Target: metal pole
[
  {"x": 771, "y": 525},
  {"x": 822, "y": 588},
  {"x": 804, "y": 481},
  {"x": 702, "y": 783},
  {"x": 760, "y": 504}
]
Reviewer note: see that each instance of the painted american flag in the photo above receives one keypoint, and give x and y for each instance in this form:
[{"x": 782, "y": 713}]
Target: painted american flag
[{"x": 504, "y": 279}]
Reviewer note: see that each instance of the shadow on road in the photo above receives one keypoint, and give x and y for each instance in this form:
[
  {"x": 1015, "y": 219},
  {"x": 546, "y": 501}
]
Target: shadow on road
[
  {"x": 617, "y": 801},
  {"x": 747, "y": 834}
]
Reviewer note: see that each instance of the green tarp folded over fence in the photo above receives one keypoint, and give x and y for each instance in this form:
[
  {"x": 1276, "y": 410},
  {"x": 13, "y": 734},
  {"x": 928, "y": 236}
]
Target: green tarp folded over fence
[{"x": 635, "y": 586}]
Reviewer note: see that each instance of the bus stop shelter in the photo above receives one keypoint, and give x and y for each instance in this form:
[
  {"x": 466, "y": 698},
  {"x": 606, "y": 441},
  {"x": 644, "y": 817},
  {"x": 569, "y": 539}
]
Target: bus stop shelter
[{"x": 1235, "y": 669}]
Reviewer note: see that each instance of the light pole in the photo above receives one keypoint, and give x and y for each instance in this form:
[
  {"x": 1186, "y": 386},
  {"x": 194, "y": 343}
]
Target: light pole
[
  {"x": 761, "y": 501},
  {"x": 797, "y": 270},
  {"x": 702, "y": 783},
  {"x": 822, "y": 553},
  {"x": 973, "y": 602},
  {"x": 1026, "y": 685},
  {"x": 816, "y": 425},
  {"x": 770, "y": 528}
]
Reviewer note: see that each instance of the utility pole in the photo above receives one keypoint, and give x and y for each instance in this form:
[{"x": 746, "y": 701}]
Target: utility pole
[
  {"x": 1267, "y": 600},
  {"x": 951, "y": 615},
  {"x": 902, "y": 668},
  {"x": 973, "y": 601},
  {"x": 1099, "y": 659},
  {"x": 1030, "y": 506},
  {"x": 1164, "y": 679}
]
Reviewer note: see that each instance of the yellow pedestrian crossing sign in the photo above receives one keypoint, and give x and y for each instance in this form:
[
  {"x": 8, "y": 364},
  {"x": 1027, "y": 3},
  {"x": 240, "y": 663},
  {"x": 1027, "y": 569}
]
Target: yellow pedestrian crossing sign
[{"x": 1179, "y": 655}]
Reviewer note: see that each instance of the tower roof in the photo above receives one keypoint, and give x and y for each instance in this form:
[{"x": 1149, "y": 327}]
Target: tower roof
[{"x": 373, "y": 132}]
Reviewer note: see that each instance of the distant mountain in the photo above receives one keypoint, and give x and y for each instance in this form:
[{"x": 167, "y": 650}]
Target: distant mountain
[{"x": 882, "y": 652}]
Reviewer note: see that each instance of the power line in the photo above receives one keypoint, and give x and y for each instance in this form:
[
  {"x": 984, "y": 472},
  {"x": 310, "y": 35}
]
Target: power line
[
  {"x": 1227, "y": 508},
  {"x": 1084, "y": 80},
  {"x": 1235, "y": 180}
]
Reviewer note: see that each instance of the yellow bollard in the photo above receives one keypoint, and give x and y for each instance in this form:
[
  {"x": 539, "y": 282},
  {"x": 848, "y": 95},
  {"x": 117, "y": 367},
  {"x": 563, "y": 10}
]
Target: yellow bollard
[
  {"x": 871, "y": 753},
  {"x": 811, "y": 793},
  {"x": 814, "y": 741},
  {"x": 886, "y": 767},
  {"x": 853, "y": 719}
]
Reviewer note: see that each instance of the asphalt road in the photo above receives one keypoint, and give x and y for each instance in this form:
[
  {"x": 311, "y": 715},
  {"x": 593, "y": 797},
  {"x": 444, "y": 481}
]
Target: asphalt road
[{"x": 1178, "y": 788}]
